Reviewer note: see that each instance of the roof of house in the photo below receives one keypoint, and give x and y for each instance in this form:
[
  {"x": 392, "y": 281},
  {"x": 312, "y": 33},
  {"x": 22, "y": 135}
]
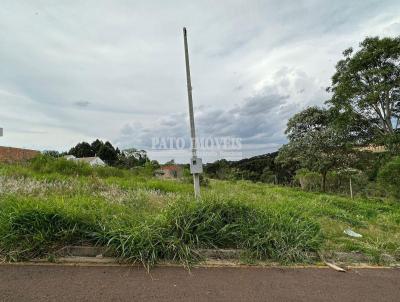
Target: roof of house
[
  {"x": 171, "y": 167},
  {"x": 89, "y": 159}
]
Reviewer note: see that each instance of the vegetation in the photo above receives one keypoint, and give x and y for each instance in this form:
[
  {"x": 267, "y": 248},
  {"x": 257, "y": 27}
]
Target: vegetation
[
  {"x": 389, "y": 177},
  {"x": 129, "y": 158},
  {"x": 50, "y": 202},
  {"x": 328, "y": 147},
  {"x": 261, "y": 168},
  {"x": 44, "y": 207},
  {"x": 316, "y": 144},
  {"x": 366, "y": 85}
]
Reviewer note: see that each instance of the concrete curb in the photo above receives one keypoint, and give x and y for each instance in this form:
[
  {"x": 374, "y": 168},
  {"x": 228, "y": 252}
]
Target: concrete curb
[
  {"x": 97, "y": 255},
  {"x": 112, "y": 262}
]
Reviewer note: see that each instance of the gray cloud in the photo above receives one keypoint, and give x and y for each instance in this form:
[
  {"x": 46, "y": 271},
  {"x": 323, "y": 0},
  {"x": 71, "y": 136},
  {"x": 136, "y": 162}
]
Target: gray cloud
[
  {"x": 82, "y": 103},
  {"x": 254, "y": 63},
  {"x": 259, "y": 120}
]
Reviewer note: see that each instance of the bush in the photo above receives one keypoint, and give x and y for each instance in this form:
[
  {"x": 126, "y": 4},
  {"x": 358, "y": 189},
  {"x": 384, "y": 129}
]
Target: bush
[
  {"x": 45, "y": 164},
  {"x": 309, "y": 181},
  {"x": 49, "y": 164},
  {"x": 389, "y": 177}
]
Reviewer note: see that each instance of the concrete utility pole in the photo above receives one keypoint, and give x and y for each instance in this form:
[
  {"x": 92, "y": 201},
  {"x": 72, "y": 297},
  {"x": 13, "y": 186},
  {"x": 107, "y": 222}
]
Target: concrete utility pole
[{"x": 196, "y": 166}]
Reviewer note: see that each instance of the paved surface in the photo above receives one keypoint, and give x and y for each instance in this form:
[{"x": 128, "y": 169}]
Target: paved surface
[{"x": 69, "y": 283}]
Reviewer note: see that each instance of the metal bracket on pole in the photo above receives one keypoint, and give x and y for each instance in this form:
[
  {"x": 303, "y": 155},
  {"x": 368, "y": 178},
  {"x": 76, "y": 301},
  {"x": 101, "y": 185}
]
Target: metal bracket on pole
[{"x": 196, "y": 166}]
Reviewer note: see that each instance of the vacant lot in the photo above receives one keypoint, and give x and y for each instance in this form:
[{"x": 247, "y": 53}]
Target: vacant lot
[{"x": 49, "y": 203}]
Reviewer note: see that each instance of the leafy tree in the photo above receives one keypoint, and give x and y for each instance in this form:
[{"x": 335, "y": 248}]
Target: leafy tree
[
  {"x": 96, "y": 145},
  {"x": 315, "y": 143},
  {"x": 54, "y": 153},
  {"x": 108, "y": 153},
  {"x": 130, "y": 158},
  {"x": 83, "y": 149},
  {"x": 220, "y": 169},
  {"x": 366, "y": 87},
  {"x": 105, "y": 151}
]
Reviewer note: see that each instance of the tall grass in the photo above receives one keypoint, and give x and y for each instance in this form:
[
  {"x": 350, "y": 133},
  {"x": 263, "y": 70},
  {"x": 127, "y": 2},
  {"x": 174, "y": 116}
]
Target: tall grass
[
  {"x": 45, "y": 167},
  {"x": 33, "y": 228},
  {"x": 47, "y": 204}
]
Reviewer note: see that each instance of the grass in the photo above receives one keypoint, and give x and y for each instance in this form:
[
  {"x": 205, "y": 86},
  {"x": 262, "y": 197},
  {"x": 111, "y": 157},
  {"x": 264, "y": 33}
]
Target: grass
[{"x": 144, "y": 219}]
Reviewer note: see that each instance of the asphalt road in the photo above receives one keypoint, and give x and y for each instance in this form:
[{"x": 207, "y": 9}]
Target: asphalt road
[{"x": 82, "y": 283}]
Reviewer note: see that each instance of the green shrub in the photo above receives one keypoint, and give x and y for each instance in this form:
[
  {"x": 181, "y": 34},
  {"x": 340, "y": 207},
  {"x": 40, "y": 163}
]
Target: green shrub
[
  {"x": 48, "y": 164},
  {"x": 309, "y": 181},
  {"x": 267, "y": 233},
  {"x": 389, "y": 177}
]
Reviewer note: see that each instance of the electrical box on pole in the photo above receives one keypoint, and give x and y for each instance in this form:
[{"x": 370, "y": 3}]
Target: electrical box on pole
[{"x": 196, "y": 165}]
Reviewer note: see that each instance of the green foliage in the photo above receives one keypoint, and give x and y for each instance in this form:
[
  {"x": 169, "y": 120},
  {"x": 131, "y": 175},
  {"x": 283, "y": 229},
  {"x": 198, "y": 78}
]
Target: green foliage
[
  {"x": 366, "y": 85},
  {"x": 268, "y": 234},
  {"x": 129, "y": 158},
  {"x": 389, "y": 177},
  {"x": 309, "y": 181},
  {"x": 53, "y": 153},
  {"x": 147, "y": 220},
  {"x": 108, "y": 153},
  {"x": 261, "y": 168},
  {"x": 315, "y": 143},
  {"x": 44, "y": 164},
  {"x": 83, "y": 149},
  {"x": 47, "y": 164},
  {"x": 33, "y": 228},
  {"x": 188, "y": 178}
]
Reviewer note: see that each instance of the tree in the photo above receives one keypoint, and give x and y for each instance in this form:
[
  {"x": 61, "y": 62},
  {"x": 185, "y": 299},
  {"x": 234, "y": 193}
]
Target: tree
[
  {"x": 82, "y": 150},
  {"x": 366, "y": 86},
  {"x": 315, "y": 143},
  {"x": 53, "y": 153},
  {"x": 130, "y": 158},
  {"x": 108, "y": 153},
  {"x": 96, "y": 145}
]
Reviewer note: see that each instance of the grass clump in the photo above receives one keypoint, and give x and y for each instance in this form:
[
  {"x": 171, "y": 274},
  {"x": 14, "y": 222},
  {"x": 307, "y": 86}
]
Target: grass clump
[
  {"x": 264, "y": 232},
  {"x": 31, "y": 228},
  {"x": 45, "y": 167},
  {"x": 186, "y": 226}
]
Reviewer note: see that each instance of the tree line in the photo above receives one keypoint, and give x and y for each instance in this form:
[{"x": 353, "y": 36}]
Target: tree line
[
  {"x": 330, "y": 141},
  {"x": 128, "y": 158}
]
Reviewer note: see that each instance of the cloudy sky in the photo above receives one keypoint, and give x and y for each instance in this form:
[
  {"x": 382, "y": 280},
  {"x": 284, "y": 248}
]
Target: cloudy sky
[{"x": 74, "y": 71}]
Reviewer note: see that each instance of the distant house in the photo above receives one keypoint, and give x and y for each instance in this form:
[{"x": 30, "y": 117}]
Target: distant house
[
  {"x": 170, "y": 172},
  {"x": 93, "y": 161},
  {"x": 12, "y": 155}
]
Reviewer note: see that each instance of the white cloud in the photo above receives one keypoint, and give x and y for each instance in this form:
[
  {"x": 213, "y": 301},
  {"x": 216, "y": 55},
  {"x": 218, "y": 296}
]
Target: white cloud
[{"x": 73, "y": 71}]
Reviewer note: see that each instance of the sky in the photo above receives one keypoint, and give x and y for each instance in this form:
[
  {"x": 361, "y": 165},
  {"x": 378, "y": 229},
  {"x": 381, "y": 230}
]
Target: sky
[{"x": 73, "y": 71}]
